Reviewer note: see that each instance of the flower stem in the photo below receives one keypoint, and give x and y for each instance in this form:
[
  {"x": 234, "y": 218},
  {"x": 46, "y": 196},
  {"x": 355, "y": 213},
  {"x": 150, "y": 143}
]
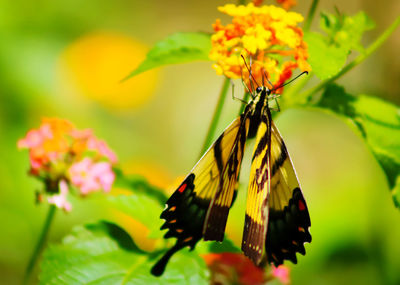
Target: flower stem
[
  {"x": 310, "y": 16},
  {"x": 40, "y": 243},
  {"x": 216, "y": 116},
  {"x": 372, "y": 48}
]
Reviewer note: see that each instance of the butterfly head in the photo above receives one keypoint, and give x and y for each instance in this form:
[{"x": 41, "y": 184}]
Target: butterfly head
[{"x": 262, "y": 91}]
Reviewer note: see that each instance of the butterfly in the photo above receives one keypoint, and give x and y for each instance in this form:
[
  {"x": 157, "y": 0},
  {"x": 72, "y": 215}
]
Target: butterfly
[{"x": 276, "y": 218}]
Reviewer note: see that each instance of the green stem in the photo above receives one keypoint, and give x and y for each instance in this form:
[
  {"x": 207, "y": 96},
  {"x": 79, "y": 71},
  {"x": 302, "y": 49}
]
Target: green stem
[
  {"x": 216, "y": 116},
  {"x": 310, "y": 16},
  {"x": 40, "y": 243},
  {"x": 372, "y": 48}
]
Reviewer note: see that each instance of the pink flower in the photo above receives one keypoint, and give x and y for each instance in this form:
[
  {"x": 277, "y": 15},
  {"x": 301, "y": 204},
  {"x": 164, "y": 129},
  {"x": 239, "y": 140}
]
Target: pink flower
[
  {"x": 82, "y": 134},
  {"x": 89, "y": 176},
  {"x": 35, "y": 138},
  {"x": 101, "y": 147},
  {"x": 60, "y": 152},
  {"x": 282, "y": 273},
  {"x": 60, "y": 200}
]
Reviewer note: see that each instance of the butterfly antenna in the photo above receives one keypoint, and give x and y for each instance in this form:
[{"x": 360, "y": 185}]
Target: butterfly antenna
[
  {"x": 244, "y": 85},
  {"x": 266, "y": 76},
  {"x": 251, "y": 75},
  {"x": 284, "y": 84},
  {"x": 262, "y": 79}
]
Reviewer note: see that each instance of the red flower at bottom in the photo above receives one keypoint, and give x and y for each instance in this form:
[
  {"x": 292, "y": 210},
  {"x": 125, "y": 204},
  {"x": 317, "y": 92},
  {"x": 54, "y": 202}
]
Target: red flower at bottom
[
  {"x": 235, "y": 268},
  {"x": 231, "y": 268}
]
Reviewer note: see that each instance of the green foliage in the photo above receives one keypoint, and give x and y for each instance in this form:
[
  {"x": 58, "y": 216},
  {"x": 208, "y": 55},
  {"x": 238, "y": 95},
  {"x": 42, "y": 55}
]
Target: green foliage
[
  {"x": 325, "y": 59},
  {"x": 139, "y": 206},
  {"x": 378, "y": 122},
  {"x": 396, "y": 193},
  {"x": 177, "y": 48},
  {"x": 217, "y": 247},
  {"x": 328, "y": 52},
  {"x": 139, "y": 184},
  {"x": 346, "y": 31},
  {"x": 103, "y": 253}
]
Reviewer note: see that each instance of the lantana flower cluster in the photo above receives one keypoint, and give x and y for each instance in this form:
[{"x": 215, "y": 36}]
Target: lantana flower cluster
[
  {"x": 64, "y": 157},
  {"x": 235, "y": 268},
  {"x": 267, "y": 36}
]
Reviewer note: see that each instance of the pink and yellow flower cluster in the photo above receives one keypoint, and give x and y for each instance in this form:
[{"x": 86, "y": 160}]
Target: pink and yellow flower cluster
[
  {"x": 63, "y": 156},
  {"x": 235, "y": 268},
  {"x": 268, "y": 35}
]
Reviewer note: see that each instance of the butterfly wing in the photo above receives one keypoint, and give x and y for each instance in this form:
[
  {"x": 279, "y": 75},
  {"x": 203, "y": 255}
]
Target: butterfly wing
[
  {"x": 205, "y": 194},
  {"x": 289, "y": 220},
  {"x": 217, "y": 214},
  {"x": 255, "y": 225}
]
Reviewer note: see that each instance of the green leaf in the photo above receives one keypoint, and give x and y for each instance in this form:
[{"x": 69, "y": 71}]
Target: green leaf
[
  {"x": 346, "y": 31},
  {"x": 177, "y": 48},
  {"x": 139, "y": 185},
  {"x": 328, "y": 52},
  {"x": 103, "y": 254},
  {"x": 142, "y": 208},
  {"x": 217, "y": 247},
  {"x": 325, "y": 59},
  {"x": 379, "y": 123}
]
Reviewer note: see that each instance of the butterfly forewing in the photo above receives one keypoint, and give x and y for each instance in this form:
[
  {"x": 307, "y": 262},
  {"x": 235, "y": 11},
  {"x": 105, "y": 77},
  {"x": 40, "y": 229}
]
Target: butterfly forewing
[
  {"x": 217, "y": 215},
  {"x": 210, "y": 182},
  {"x": 289, "y": 220}
]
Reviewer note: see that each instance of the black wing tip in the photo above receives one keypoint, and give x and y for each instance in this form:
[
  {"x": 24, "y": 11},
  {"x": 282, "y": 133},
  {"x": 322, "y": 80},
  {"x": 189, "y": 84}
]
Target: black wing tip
[
  {"x": 288, "y": 230},
  {"x": 158, "y": 269}
]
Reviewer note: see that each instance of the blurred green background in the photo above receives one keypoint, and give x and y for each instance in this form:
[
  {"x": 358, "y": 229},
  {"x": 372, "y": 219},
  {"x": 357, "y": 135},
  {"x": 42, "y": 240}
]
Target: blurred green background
[{"x": 65, "y": 59}]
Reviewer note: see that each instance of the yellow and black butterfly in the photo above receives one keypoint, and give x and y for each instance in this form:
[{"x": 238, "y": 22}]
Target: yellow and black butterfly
[{"x": 276, "y": 221}]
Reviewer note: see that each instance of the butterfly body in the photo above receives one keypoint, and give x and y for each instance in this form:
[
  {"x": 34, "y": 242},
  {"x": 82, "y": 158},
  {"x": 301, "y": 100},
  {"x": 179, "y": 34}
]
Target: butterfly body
[{"x": 276, "y": 218}]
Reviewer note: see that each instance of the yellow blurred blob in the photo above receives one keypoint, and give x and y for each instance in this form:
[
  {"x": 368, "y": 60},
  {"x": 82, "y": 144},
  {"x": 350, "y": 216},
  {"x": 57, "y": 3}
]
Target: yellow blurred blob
[
  {"x": 135, "y": 229},
  {"x": 95, "y": 64},
  {"x": 154, "y": 173}
]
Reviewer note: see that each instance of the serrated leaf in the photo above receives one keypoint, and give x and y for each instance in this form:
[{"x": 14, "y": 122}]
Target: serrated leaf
[
  {"x": 92, "y": 255},
  {"x": 328, "y": 52},
  {"x": 325, "y": 59},
  {"x": 378, "y": 121},
  {"x": 346, "y": 31},
  {"x": 177, "y": 48}
]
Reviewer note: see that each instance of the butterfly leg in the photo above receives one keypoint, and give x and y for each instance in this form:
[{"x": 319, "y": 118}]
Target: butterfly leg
[{"x": 237, "y": 98}]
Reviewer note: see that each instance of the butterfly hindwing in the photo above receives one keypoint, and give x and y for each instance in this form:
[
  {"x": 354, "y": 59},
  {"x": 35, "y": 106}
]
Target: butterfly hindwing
[
  {"x": 210, "y": 182},
  {"x": 289, "y": 220},
  {"x": 255, "y": 226}
]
